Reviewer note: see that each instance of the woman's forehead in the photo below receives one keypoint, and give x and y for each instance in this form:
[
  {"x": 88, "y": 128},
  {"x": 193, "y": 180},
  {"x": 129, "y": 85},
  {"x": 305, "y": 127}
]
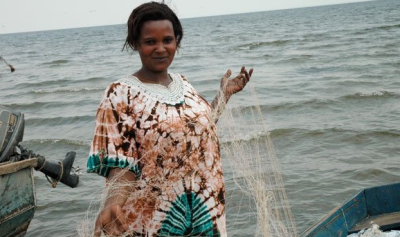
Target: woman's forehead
[{"x": 150, "y": 27}]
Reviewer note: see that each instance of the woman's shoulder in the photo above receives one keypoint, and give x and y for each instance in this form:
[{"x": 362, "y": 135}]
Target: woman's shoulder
[
  {"x": 114, "y": 88},
  {"x": 121, "y": 85},
  {"x": 179, "y": 76}
]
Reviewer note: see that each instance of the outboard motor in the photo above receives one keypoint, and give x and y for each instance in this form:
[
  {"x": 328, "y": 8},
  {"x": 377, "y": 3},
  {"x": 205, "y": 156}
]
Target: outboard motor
[{"x": 11, "y": 134}]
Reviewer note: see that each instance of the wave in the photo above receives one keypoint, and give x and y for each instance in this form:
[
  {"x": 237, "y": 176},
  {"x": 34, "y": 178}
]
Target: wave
[
  {"x": 287, "y": 132},
  {"x": 65, "y": 81},
  {"x": 59, "y": 141},
  {"x": 370, "y": 95},
  {"x": 369, "y": 173},
  {"x": 388, "y": 53},
  {"x": 113, "y": 41},
  {"x": 369, "y": 76},
  {"x": 387, "y": 27},
  {"x": 325, "y": 69},
  {"x": 91, "y": 80},
  {"x": 58, "y": 90},
  {"x": 371, "y": 29},
  {"x": 256, "y": 45},
  {"x": 57, "y": 62},
  {"x": 289, "y": 105},
  {"x": 42, "y": 83},
  {"x": 19, "y": 107},
  {"x": 249, "y": 137},
  {"x": 317, "y": 102},
  {"x": 97, "y": 34},
  {"x": 59, "y": 120},
  {"x": 204, "y": 82},
  {"x": 281, "y": 132},
  {"x": 390, "y": 45},
  {"x": 358, "y": 83},
  {"x": 379, "y": 133},
  {"x": 26, "y": 52},
  {"x": 323, "y": 45},
  {"x": 217, "y": 31},
  {"x": 296, "y": 59}
]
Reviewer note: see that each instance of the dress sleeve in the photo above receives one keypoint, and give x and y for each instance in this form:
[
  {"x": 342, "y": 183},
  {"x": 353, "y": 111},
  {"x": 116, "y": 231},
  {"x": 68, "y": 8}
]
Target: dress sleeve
[{"x": 113, "y": 144}]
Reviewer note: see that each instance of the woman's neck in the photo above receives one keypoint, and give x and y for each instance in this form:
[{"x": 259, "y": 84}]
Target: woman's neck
[{"x": 146, "y": 76}]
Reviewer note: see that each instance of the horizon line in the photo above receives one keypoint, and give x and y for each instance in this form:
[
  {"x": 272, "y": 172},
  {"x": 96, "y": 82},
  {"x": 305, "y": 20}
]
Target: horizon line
[{"x": 183, "y": 18}]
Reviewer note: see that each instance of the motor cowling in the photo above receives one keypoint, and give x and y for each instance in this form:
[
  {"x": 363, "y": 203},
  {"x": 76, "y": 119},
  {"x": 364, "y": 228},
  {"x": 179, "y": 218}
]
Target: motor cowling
[{"x": 11, "y": 132}]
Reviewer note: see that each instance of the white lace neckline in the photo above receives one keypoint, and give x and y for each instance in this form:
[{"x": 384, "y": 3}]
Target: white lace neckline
[{"x": 172, "y": 94}]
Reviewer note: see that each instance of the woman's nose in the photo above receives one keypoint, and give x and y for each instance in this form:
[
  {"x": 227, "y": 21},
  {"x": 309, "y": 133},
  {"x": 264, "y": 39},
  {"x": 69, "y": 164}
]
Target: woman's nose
[{"x": 160, "y": 47}]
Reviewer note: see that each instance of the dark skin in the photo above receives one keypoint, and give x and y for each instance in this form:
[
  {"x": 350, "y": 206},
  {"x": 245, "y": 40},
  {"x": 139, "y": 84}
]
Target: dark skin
[
  {"x": 229, "y": 87},
  {"x": 111, "y": 219},
  {"x": 156, "y": 47}
]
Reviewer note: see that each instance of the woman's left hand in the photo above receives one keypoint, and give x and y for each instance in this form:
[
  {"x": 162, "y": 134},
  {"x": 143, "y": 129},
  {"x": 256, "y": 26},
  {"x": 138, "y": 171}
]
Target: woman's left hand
[{"x": 232, "y": 86}]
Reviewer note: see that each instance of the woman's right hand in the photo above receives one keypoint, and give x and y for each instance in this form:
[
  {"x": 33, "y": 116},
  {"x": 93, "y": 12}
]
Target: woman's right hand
[{"x": 111, "y": 221}]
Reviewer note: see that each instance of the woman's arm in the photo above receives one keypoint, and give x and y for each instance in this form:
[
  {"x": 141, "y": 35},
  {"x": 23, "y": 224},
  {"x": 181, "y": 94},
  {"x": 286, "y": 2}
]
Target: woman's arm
[
  {"x": 228, "y": 88},
  {"x": 111, "y": 219}
]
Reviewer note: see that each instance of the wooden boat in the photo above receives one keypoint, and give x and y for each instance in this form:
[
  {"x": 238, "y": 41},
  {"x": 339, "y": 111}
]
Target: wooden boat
[
  {"x": 17, "y": 197},
  {"x": 17, "y": 186},
  {"x": 379, "y": 205}
]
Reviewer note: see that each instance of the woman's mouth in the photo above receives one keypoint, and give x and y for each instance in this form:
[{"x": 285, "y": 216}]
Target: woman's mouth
[{"x": 160, "y": 58}]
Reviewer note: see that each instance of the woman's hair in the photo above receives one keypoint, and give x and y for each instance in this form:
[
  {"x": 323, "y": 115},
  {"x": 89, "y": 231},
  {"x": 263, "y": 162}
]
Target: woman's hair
[{"x": 151, "y": 11}]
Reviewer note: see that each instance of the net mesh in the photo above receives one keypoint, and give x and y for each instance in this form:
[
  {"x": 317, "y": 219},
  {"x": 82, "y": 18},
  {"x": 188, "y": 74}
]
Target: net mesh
[{"x": 256, "y": 200}]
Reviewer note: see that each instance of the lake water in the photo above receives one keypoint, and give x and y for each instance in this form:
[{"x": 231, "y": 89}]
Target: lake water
[{"x": 327, "y": 81}]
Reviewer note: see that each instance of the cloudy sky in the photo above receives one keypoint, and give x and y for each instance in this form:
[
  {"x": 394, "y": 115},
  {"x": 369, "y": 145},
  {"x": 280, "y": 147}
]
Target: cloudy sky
[{"x": 36, "y": 15}]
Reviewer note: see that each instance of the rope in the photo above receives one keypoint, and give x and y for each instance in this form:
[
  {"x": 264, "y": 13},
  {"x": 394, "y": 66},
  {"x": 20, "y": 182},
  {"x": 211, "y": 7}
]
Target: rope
[
  {"x": 42, "y": 166},
  {"x": 54, "y": 182}
]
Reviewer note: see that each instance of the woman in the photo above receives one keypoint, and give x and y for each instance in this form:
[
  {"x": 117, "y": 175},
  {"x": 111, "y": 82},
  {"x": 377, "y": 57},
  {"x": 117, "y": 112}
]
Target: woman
[{"x": 156, "y": 134}]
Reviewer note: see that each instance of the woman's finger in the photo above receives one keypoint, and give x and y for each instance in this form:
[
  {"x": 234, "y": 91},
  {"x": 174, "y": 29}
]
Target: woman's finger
[
  {"x": 225, "y": 78},
  {"x": 247, "y": 76},
  {"x": 113, "y": 228},
  {"x": 117, "y": 225},
  {"x": 97, "y": 230},
  {"x": 121, "y": 220},
  {"x": 98, "y": 227}
]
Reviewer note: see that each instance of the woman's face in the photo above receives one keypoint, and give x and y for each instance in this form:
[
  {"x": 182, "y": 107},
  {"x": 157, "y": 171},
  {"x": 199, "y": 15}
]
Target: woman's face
[{"x": 157, "y": 45}]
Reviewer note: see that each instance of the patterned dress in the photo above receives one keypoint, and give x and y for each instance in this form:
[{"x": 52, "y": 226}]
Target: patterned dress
[{"x": 165, "y": 136}]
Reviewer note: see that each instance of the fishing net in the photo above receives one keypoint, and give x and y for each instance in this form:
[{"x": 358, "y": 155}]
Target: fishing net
[
  {"x": 253, "y": 166},
  {"x": 256, "y": 200}
]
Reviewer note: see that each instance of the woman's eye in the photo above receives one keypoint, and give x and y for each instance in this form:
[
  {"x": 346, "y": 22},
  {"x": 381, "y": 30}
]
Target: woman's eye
[
  {"x": 168, "y": 41},
  {"x": 150, "y": 42}
]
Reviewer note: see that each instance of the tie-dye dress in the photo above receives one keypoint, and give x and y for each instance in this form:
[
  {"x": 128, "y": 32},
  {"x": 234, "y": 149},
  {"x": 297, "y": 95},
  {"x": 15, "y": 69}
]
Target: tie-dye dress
[{"x": 166, "y": 137}]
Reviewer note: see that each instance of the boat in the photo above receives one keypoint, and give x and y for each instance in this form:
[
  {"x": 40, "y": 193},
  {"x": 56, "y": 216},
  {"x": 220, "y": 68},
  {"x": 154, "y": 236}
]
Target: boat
[
  {"x": 17, "y": 184},
  {"x": 17, "y": 197},
  {"x": 379, "y": 205}
]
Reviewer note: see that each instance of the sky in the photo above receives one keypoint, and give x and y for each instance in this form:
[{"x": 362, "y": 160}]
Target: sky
[{"x": 38, "y": 15}]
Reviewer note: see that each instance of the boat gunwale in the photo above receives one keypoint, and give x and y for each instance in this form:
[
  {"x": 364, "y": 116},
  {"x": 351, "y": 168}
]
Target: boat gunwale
[
  {"x": 11, "y": 167},
  {"x": 366, "y": 203}
]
